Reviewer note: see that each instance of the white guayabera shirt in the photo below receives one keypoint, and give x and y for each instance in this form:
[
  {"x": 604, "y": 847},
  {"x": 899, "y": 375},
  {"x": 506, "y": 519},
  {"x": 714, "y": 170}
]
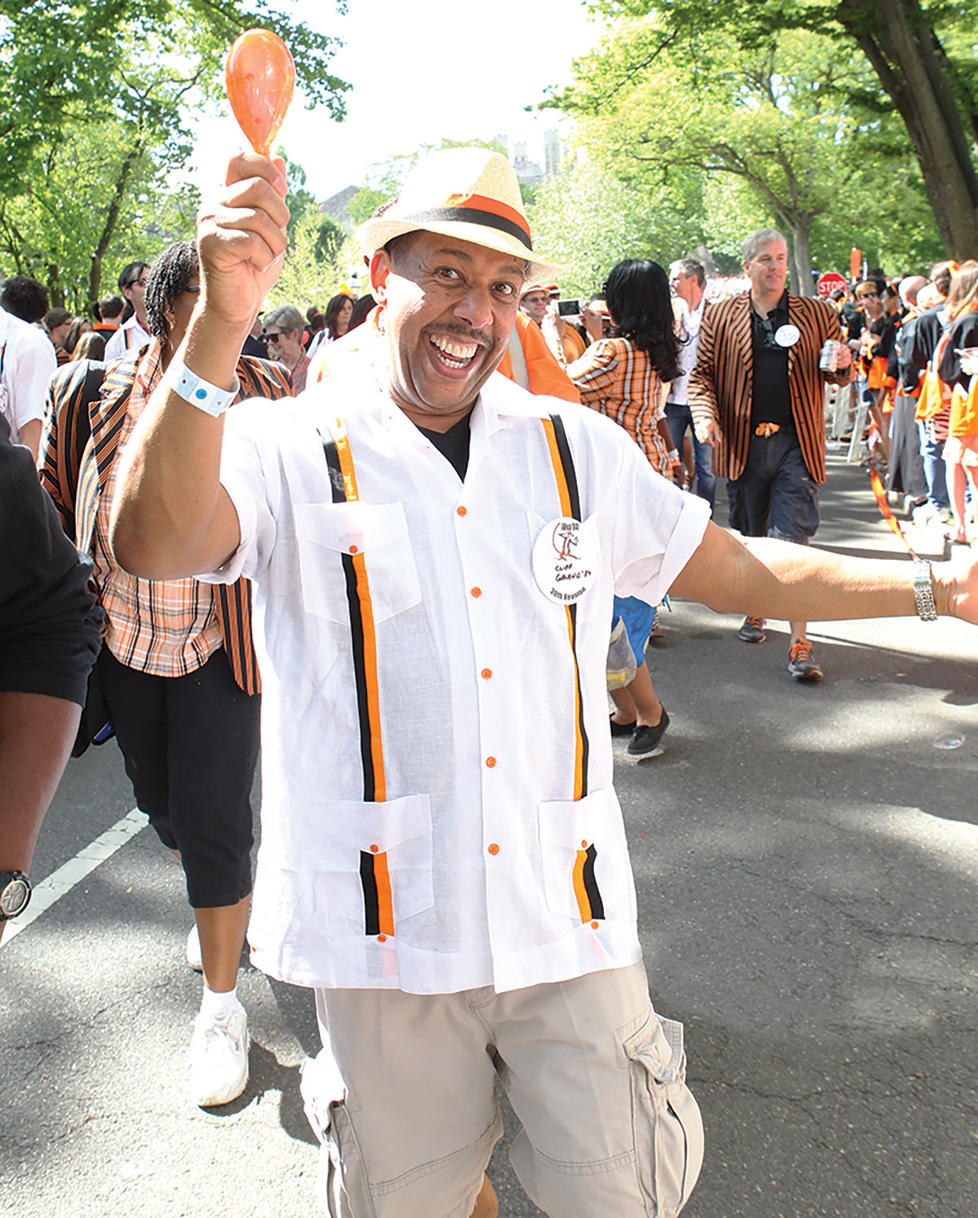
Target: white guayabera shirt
[
  {"x": 437, "y": 807},
  {"x": 27, "y": 361}
]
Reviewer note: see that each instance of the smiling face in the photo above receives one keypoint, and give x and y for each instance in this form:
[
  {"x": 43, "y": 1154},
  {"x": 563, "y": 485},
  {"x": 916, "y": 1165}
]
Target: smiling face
[
  {"x": 534, "y": 304},
  {"x": 768, "y": 271},
  {"x": 449, "y": 309}
]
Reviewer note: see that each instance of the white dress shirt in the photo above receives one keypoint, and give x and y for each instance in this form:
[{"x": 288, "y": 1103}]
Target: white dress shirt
[
  {"x": 27, "y": 361},
  {"x": 690, "y": 321},
  {"x": 130, "y": 336},
  {"x": 481, "y": 837}
]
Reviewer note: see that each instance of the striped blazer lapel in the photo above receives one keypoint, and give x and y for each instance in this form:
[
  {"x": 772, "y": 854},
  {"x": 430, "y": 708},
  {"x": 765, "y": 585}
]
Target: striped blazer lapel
[
  {"x": 107, "y": 415},
  {"x": 739, "y": 375}
]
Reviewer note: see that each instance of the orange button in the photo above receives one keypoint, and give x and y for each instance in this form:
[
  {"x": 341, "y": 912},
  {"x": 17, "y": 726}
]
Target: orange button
[
  {"x": 476, "y": 591},
  {"x": 486, "y": 673},
  {"x": 594, "y": 926},
  {"x": 374, "y": 849},
  {"x": 353, "y": 550},
  {"x": 382, "y": 938},
  {"x": 490, "y": 762},
  {"x": 493, "y": 848},
  {"x": 583, "y": 845},
  {"x": 461, "y": 510}
]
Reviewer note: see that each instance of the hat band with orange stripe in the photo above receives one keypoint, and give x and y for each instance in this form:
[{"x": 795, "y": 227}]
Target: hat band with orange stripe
[{"x": 470, "y": 215}]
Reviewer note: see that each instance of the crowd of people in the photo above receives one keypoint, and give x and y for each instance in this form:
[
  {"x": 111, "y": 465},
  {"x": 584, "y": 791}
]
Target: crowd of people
[{"x": 370, "y": 565}]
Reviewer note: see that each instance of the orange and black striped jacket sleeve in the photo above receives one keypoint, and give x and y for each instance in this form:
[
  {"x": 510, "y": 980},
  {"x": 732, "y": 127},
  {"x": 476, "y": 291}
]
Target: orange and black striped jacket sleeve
[
  {"x": 721, "y": 383},
  {"x": 65, "y": 433}
]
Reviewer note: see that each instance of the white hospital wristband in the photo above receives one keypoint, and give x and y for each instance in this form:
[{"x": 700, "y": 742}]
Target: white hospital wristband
[{"x": 198, "y": 392}]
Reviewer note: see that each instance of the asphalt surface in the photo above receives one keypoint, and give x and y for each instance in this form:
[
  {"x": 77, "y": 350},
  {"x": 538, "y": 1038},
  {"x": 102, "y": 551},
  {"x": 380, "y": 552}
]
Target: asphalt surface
[{"x": 807, "y": 867}]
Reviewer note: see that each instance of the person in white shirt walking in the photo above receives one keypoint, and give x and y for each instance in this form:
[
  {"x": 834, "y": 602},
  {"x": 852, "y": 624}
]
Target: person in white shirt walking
[
  {"x": 434, "y": 553},
  {"x": 134, "y": 333},
  {"x": 687, "y": 278}
]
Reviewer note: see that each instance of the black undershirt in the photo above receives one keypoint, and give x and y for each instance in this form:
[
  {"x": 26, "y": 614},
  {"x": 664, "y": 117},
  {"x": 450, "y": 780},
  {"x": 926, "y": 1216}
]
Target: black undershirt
[
  {"x": 771, "y": 401},
  {"x": 452, "y": 444}
]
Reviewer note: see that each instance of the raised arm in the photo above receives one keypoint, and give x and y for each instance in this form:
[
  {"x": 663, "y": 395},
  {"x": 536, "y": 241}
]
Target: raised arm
[
  {"x": 171, "y": 517},
  {"x": 800, "y": 583}
]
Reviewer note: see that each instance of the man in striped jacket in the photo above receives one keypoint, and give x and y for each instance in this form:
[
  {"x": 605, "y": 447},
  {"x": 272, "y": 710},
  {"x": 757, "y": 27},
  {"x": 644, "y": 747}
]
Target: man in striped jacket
[{"x": 757, "y": 396}]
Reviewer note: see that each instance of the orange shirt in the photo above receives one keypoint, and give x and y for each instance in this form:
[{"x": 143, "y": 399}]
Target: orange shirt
[{"x": 543, "y": 372}]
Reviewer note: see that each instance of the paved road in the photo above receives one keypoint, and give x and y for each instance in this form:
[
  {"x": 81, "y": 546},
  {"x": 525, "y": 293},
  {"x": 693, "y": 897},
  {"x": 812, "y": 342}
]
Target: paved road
[{"x": 807, "y": 867}]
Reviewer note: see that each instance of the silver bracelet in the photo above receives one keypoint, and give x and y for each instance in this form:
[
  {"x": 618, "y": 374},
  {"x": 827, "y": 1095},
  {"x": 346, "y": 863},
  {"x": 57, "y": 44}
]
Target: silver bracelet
[
  {"x": 198, "y": 392},
  {"x": 923, "y": 591}
]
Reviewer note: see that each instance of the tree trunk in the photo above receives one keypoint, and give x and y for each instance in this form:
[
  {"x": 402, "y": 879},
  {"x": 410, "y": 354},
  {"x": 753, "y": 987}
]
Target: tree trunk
[
  {"x": 903, "y": 50},
  {"x": 801, "y": 254},
  {"x": 111, "y": 219}
]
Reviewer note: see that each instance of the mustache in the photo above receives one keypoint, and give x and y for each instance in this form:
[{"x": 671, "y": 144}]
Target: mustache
[{"x": 465, "y": 334}]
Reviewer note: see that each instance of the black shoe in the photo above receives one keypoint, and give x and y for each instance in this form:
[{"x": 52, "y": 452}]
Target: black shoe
[
  {"x": 800, "y": 663},
  {"x": 645, "y": 740},
  {"x": 621, "y": 729},
  {"x": 752, "y": 631}
]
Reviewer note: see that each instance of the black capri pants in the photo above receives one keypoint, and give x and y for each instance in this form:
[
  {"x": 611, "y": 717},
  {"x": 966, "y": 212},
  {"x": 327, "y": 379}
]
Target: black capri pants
[{"x": 190, "y": 746}]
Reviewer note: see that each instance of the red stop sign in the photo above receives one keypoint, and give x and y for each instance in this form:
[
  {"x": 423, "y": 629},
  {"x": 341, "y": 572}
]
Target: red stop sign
[{"x": 828, "y": 282}]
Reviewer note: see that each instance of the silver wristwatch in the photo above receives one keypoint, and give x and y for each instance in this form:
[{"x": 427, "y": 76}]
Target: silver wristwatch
[
  {"x": 15, "y": 894},
  {"x": 923, "y": 591}
]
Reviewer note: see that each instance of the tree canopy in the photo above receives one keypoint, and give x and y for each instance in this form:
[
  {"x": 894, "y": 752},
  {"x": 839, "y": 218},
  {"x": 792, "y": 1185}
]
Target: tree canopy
[
  {"x": 924, "y": 64},
  {"x": 784, "y": 130},
  {"x": 95, "y": 108}
]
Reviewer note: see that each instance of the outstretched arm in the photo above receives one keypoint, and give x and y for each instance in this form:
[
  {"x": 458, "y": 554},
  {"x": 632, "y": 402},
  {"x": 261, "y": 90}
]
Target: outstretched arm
[
  {"x": 171, "y": 517},
  {"x": 777, "y": 579}
]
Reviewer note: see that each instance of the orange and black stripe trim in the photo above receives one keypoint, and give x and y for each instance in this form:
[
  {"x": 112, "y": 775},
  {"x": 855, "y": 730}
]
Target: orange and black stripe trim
[
  {"x": 589, "y": 900},
  {"x": 378, "y": 902},
  {"x": 343, "y": 484},
  {"x": 570, "y": 505},
  {"x": 478, "y": 209}
]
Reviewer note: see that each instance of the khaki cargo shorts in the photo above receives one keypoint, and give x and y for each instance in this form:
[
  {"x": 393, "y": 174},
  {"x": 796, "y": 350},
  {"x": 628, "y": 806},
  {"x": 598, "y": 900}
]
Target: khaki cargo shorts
[{"x": 402, "y": 1098}]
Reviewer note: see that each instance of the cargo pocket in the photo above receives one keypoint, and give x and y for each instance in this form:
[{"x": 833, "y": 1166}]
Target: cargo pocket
[
  {"x": 668, "y": 1128},
  {"x": 342, "y": 1187},
  {"x": 376, "y": 535}
]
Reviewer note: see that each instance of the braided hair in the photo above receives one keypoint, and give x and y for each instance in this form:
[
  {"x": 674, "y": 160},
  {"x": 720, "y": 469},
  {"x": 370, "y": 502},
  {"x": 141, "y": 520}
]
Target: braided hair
[{"x": 169, "y": 275}]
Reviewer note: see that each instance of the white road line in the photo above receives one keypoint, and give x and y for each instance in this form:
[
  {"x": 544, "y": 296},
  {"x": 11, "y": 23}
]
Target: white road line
[{"x": 68, "y": 875}]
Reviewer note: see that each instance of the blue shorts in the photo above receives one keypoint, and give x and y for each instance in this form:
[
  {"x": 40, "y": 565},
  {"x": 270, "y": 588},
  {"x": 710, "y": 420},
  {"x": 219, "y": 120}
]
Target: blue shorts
[
  {"x": 775, "y": 496},
  {"x": 639, "y": 619}
]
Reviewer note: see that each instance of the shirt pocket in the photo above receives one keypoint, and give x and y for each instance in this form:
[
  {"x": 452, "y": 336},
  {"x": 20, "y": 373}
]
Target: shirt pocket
[
  {"x": 372, "y": 863},
  {"x": 584, "y": 858},
  {"x": 374, "y": 538}
]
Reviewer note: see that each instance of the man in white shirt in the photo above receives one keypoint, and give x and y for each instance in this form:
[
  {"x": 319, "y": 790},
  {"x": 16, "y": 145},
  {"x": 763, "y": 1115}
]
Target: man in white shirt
[
  {"x": 687, "y": 278},
  {"x": 27, "y": 360},
  {"x": 434, "y": 553},
  {"x": 133, "y": 333}
]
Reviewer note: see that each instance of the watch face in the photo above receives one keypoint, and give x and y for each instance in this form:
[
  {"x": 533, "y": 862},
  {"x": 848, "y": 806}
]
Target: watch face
[{"x": 14, "y": 897}]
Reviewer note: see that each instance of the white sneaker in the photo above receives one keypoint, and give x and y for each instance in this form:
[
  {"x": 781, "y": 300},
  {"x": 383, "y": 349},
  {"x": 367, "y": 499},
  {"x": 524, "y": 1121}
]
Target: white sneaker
[
  {"x": 219, "y": 1058},
  {"x": 194, "y": 957}
]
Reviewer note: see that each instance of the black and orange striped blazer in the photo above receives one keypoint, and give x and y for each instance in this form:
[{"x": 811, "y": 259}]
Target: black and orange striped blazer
[
  {"x": 80, "y": 404},
  {"x": 721, "y": 384}
]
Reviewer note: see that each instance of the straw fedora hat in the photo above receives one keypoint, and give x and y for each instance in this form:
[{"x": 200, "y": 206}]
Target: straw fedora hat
[{"x": 471, "y": 194}]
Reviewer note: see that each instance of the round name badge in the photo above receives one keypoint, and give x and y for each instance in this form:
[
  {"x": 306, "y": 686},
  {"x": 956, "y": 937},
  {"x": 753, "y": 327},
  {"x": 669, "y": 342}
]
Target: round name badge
[
  {"x": 787, "y": 336},
  {"x": 565, "y": 560}
]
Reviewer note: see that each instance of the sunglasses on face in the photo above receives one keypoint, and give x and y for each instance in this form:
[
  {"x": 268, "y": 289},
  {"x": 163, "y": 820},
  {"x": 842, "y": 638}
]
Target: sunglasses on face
[
  {"x": 270, "y": 337},
  {"x": 137, "y": 283}
]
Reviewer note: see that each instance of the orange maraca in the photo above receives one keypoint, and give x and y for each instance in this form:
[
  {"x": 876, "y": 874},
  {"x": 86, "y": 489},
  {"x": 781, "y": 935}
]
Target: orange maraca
[{"x": 260, "y": 78}]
